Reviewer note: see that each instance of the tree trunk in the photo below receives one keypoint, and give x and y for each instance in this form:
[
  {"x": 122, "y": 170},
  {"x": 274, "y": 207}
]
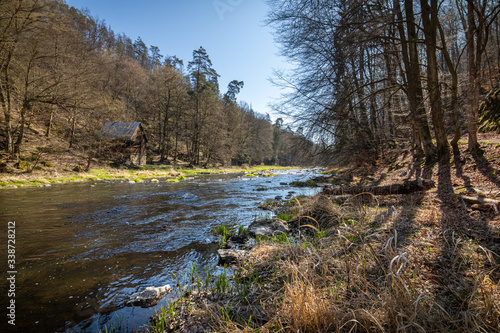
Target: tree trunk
[
  {"x": 454, "y": 92},
  {"x": 415, "y": 84},
  {"x": 20, "y": 135},
  {"x": 49, "y": 125},
  {"x": 430, "y": 22},
  {"x": 164, "y": 151},
  {"x": 72, "y": 134},
  {"x": 473, "y": 86}
]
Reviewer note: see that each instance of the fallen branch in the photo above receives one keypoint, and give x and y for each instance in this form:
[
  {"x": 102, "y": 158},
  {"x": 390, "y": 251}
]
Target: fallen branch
[
  {"x": 405, "y": 188},
  {"x": 479, "y": 203}
]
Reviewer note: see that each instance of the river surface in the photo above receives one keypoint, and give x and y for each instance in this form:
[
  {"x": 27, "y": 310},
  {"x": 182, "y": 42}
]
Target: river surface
[{"x": 82, "y": 249}]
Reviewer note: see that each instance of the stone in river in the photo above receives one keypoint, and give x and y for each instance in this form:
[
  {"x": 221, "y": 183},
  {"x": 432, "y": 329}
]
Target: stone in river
[{"x": 149, "y": 296}]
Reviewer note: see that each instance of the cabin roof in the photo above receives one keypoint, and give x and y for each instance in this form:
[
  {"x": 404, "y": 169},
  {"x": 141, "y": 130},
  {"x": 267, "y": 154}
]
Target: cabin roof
[{"x": 119, "y": 130}]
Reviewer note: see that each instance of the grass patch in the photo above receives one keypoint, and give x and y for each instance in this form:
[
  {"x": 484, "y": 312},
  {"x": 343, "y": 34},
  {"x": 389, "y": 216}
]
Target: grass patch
[{"x": 285, "y": 216}]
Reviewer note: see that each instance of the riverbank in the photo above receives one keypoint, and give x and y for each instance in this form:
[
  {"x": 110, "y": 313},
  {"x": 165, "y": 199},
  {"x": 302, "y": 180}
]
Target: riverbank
[
  {"x": 48, "y": 175},
  {"x": 426, "y": 261}
]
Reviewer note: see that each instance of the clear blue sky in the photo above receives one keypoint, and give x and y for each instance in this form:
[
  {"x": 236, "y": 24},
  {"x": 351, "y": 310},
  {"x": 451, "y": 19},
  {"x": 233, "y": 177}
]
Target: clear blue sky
[{"x": 232, "y": 31}]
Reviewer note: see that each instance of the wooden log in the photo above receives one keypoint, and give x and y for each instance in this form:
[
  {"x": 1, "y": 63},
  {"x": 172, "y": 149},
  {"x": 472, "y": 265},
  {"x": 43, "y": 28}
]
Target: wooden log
[{"x": 405, "y": 188}]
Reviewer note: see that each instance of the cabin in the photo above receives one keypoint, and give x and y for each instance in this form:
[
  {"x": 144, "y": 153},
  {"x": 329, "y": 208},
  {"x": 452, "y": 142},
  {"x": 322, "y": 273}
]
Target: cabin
[{"x": 128, "y": 141}]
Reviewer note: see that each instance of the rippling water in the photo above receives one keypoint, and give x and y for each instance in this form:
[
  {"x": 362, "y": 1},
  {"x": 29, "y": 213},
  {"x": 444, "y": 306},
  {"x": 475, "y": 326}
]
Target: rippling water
[{"x": 83, "y": 249}]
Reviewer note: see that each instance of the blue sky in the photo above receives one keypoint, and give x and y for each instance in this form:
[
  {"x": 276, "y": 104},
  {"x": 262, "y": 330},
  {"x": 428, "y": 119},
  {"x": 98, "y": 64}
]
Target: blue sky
[{"x": 240, "y": 46}]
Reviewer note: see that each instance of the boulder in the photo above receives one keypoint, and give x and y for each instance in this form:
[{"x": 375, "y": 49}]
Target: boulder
[
  {"x": 230, "y": 256},
  {"x": 149, "y": 296},
  {"x": 268, "y": 227}
]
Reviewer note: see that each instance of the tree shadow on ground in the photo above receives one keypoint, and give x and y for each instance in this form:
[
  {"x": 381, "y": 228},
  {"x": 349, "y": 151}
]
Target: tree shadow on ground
[
  {"x": 460, "y": 226},
  {"x": 459, "y": 164},
  {"x": 420, "y": 170},
  {"x": 484, "y": 166}
]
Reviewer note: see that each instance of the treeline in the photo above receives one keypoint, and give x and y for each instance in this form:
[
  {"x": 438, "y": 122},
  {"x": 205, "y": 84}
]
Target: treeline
[
  {"x": 372, "y": 75},
  {"x": 71, "y": 72}
]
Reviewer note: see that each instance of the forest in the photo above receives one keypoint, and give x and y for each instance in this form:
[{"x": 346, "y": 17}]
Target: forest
[
  {"x": 64, "y": 73},
  {"x": 374, "y": 75}
]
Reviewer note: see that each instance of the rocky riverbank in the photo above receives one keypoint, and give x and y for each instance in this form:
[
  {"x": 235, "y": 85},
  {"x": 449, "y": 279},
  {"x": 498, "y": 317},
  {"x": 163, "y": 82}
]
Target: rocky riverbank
[{"x": 427, "y": 260}]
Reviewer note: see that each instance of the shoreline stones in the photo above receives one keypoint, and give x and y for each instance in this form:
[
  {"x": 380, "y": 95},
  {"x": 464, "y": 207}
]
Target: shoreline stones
[
  {"x": 231, "y": 256},
  {"x": 268, "y": 227}
]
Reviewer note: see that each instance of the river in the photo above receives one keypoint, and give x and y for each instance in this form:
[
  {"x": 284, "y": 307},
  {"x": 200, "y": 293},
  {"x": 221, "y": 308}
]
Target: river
[{"x": 82, "y": 249}]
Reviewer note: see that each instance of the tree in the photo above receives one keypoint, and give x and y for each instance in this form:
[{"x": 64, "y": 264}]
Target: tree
[
  {"x": 205, "y": 87},
  {"x": 431, "y": 22},
  {"x": 477, "y": 17},
  {"x": 233, "y": 88}
]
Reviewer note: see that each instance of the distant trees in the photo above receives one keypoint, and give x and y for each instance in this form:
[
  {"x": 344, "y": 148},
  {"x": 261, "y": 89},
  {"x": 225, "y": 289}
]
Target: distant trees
[
  {"x": 359, "y": 83},
  {"x": 63, "y": 69}
]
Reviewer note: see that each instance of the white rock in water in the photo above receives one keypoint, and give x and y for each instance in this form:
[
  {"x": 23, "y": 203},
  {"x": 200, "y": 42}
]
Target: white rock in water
[
  {"x": 131, "y": 182},
  {"x": 155, "y": 181},
  {"x": 149, "y": 296}
]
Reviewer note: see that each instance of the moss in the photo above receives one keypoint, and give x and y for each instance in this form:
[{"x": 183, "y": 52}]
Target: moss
[
  {"x": 309, "y": 183},
  {"x": 269, "y": 175},
  {"x": 47, "y": 164},
  {"x": 22, "y": 165}
]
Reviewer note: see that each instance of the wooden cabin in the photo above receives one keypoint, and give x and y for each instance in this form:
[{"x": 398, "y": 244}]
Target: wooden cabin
[{"x": 128, "y": 141}]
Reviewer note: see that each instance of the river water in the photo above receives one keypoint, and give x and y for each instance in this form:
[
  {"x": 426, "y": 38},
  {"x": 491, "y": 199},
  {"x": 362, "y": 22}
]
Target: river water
[{"x": 82, "y": 249}]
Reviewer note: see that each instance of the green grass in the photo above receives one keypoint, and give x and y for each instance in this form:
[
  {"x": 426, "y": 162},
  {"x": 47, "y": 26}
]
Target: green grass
[
  {"x": 242, "y": 230},
  {"x": 223, "y": 230},
  {"x": 155, "y": 172},
  {"x": 285, "y": 216}
]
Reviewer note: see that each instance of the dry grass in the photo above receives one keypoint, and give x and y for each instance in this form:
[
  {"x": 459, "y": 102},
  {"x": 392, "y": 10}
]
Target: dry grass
[{"x": 378, "y": 268}]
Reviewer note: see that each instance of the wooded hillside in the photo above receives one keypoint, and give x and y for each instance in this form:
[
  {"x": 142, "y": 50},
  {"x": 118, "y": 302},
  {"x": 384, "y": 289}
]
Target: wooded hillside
[{"x": 67, "y": 73}]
